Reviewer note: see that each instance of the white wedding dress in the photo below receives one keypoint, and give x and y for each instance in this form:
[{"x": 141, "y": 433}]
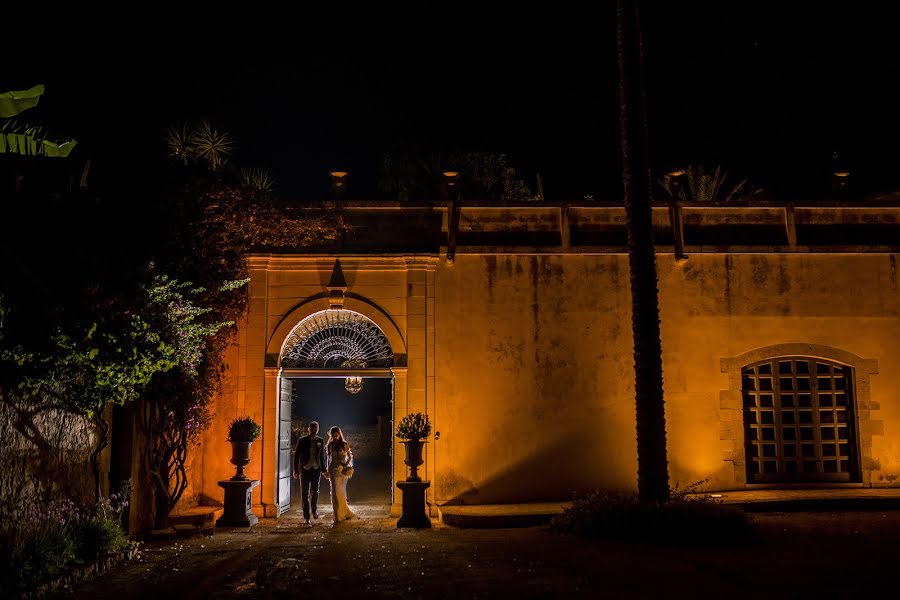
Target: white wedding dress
[{"x": 337, "y": 459}]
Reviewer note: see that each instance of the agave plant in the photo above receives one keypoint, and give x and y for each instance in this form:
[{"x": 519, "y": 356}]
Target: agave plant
[
  {"x": 258, "y": 179},
  {"x": 701, "y": 185},
  {"x": 211, "y": 144},
  {"x": 202, "y": 141},
  {"x": 178, "y": 139}
]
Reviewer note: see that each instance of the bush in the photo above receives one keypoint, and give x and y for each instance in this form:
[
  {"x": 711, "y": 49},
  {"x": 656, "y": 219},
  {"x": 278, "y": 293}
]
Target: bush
[
  {"x": 683, "y": 519},
  {"x": 414, "y": 426},
  {"x": 53, "y": 539},
  {"x": 99, "y": 535},
  {"x": 39, "y": 547},
  {"x": 244, "y": 429}
]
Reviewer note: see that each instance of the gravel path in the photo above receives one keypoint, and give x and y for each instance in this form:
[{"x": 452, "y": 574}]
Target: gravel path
[{"x": 796, "y": 555}]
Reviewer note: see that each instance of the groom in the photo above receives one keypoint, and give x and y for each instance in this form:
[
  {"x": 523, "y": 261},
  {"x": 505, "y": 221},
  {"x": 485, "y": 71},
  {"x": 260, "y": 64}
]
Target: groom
[{"x": 309, "y": 460}]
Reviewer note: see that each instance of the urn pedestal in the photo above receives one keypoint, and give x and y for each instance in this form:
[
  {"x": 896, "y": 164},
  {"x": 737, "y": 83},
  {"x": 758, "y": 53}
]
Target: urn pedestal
[
  {"x": 238, "y": 503},
  {"x": 414, "y": 504}
]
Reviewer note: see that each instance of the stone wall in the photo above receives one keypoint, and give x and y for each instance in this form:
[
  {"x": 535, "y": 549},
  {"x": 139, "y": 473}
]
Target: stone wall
[
  {"x": 522, "y": 356},
  {"x": 44, "y": 457},
  {"x": 366, "y": 442}
]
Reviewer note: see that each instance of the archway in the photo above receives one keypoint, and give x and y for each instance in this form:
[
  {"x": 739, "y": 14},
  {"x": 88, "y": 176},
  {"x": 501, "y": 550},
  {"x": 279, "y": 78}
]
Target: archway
[{"x": 335, "y": 368}]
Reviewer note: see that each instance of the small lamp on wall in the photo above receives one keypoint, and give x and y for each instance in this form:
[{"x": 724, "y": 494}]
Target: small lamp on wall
[
  {"x": 839, "y": 182},
  {"x": 451, "y": 178},
  {"x": 339, "y": 185}
]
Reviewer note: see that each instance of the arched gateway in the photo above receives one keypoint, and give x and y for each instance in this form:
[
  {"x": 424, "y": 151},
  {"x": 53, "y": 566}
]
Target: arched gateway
[{"x": 330, "y": 343}]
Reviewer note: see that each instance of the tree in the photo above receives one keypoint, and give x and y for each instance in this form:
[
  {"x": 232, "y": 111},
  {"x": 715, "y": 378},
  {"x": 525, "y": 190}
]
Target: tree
[
  {"x": 112, "y": 361},
  {"x": 653, "y": 477},
  {"x": 220, "y": 213}
]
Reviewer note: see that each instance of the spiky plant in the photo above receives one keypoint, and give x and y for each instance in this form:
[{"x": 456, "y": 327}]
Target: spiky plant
[
  {"x": 258, "y": 179},
  {"x": 211, "y": 144},
  {"x": 178, "y": 139},
  {"x": 706, "y": 186}
]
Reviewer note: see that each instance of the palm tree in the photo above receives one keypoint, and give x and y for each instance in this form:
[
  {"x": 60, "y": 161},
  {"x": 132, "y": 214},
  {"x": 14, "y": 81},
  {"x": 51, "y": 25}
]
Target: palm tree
[{"x": 653, "y": 477}]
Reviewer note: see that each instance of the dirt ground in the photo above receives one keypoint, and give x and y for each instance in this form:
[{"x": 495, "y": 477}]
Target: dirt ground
[{"x": 795, "y": 555}]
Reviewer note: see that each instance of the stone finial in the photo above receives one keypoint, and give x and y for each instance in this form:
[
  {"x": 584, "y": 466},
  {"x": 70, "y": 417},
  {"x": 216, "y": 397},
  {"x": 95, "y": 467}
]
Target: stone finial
[{"x": 337, "y": 286}]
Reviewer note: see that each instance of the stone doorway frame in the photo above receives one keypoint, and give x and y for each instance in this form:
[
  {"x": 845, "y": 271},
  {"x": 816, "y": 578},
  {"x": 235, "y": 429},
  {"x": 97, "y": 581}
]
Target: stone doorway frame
[
  {"x": 272, "y": 438},
  {"x": 731, "y": 417},
  {"x": 291, "y": 374}
]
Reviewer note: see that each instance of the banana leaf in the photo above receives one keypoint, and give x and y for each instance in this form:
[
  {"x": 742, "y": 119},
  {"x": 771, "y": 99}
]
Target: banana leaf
[
  {"x": 14, "y": 102},
  {"x": 31, "y": 140}
]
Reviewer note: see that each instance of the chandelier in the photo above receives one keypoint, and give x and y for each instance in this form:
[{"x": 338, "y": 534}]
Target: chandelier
[{"x": 353, "y": 384}]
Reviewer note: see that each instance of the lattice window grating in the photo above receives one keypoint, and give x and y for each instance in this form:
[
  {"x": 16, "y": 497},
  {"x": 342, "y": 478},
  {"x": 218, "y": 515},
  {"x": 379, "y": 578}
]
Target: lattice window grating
[{"x": 798, "y": 421}]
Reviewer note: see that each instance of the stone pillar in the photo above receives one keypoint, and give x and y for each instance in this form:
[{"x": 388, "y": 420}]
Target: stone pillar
[
  {"x": 400, "y": 409},
  {"x": 420, "y": 349},
  {"x": 269, "y": 438}
]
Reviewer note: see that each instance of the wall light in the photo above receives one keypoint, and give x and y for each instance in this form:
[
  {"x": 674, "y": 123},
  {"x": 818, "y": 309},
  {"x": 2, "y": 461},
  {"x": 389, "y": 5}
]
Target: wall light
[{"x": 840, "y": 181}]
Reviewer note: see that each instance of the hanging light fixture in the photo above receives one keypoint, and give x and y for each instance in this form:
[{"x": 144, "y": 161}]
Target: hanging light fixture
[{"x": 353, "y": 384}]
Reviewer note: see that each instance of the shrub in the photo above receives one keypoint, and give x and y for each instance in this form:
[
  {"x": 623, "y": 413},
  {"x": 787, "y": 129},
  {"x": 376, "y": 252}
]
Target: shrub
[
  {"x": 39, "y": 547},
  {"x": 414, "y": 427},
  {"x": 50, "y": 540},
  {"x": 101, "y": 533},
  {"x": 244, "y": 429},
  {"x": 684, "y": 519}
]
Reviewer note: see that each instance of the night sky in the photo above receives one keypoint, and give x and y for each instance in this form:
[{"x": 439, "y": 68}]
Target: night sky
[{"x": 769, "y": 91}]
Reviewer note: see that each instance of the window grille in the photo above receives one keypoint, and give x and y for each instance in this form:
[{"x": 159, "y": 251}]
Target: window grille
[{"x": 798, "y": 421}]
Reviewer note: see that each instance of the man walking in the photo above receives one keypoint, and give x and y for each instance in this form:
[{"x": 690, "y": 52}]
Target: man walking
[{"x": 309, "y": 460}]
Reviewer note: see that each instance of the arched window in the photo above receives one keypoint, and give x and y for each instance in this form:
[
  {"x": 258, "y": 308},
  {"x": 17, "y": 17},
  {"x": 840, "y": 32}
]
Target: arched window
[{"x": 799, "y": 423}]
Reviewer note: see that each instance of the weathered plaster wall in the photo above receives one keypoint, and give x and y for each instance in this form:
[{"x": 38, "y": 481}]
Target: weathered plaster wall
[
  {"x": 534, "y": 392},
  {"x": 524, "y": 361},
  {"x": 717, "y": 305},
  {"x": 533, "y": 377}
]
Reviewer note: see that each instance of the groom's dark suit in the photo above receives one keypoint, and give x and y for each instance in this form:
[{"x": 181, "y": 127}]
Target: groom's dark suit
[{"x": 307, "y": 448}]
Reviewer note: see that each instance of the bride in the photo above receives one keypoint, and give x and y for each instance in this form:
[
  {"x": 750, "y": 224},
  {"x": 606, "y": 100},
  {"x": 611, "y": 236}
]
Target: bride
[{"x": 338, "y": 456}]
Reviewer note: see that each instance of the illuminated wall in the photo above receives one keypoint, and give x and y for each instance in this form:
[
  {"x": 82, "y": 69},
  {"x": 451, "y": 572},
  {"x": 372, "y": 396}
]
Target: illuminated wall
[{"x": 524, "y": 359}]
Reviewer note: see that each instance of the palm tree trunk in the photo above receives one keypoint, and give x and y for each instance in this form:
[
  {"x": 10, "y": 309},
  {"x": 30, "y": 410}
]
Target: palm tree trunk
[{"x": 653, "y": 477}]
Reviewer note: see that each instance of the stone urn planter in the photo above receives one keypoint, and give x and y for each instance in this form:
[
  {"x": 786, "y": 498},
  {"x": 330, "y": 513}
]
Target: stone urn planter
[
  {"x": 240, "y": 458},
  {"x": 414, "y": 458},
  {"x": 412, "y": 431},
  {"x": 238, "y": 490}
]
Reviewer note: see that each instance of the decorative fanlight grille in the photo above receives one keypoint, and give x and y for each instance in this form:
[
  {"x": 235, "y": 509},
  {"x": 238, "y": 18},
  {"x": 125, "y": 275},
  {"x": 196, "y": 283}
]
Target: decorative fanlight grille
[{"x": 331, "y": 338}]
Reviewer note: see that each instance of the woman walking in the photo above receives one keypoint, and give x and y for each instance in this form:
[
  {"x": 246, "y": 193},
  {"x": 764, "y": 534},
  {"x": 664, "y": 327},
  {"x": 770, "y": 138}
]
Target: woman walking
[{"x": 340, "y": 468}]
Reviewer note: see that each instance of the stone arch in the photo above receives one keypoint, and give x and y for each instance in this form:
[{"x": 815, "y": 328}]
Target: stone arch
[
  {"x": 731, "y": 400},
  {"x": 320, "y": 303}
]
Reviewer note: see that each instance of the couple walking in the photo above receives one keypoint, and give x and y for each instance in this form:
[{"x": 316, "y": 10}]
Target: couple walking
[{"x": 310, "y": 464}]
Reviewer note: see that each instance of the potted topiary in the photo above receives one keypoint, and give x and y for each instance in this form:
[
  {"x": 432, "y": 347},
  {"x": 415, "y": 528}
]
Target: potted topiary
[
  {"x": 411, "y": 430},
  {"x": 241, "y": 433}
]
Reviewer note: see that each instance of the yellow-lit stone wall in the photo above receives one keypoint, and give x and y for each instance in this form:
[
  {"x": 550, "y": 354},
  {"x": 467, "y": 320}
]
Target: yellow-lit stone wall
[
  {"x": 524, "y": 361},
  {"x": 534, "y": 370}
]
